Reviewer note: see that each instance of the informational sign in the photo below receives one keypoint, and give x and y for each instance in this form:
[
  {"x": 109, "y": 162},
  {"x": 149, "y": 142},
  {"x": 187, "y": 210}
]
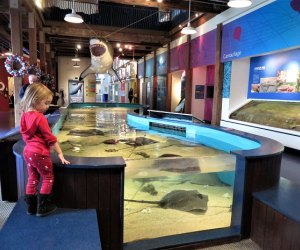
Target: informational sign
[
  {"x": 270, "y": 28},
  {"x": 91, "y": 89},
  {"x": 75, "y": 91},
  {"x": 199, "y": 92},
  {"x": 275, "y": 76},
  {"x": 122, "y": 91}
]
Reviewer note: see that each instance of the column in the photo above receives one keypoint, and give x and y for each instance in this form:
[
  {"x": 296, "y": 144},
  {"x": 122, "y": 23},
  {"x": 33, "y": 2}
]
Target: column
[
  {"x": 32, "y": 38},
  {"x": 17, "y": 48},
  {"x": 218, "y": 86},
  {"x": 42, "y": 51}
]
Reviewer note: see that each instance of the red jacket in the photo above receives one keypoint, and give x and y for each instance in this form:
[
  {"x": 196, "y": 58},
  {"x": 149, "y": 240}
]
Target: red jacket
[{"x": 36, "y": 133}]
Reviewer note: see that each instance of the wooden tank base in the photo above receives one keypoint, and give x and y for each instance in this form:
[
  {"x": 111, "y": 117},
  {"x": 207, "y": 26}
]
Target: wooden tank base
[
  {"x": 87, "y": 183},
  {"x": 276, "y": 217}
]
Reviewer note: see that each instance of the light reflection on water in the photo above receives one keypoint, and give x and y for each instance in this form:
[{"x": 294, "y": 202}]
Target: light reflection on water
[{"x": 156, "y": 161}]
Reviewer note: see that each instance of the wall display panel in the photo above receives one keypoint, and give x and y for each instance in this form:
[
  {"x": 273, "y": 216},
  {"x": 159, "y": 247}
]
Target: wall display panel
[
  {"x": 226, "y": 80},
  {"x": 203, "y": 49},
  {"x": 275, "y": 76},
  {"x": 270, "y": 28},
  {"x": 199, "y": 91},
  {"x": 90, "y": 89},
  {"x": 75, "y": 91},
  {"x": 178, "y": 58},
  {"x": 161, "y": 93},
  {"x": 149, "y": 67},
  {"x": 141, "y": 72},
  {"x": 161, "y": 64}
]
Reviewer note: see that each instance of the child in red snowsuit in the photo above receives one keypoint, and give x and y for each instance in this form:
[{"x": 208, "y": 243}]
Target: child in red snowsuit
[{"x": 39, "y": 139}]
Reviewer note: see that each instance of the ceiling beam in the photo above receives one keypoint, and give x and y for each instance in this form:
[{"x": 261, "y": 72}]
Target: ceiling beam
[
  {"x": 198, "y": 6},
  {"x": 107, "y": 32},
  {"x": 30, "y": 7}
]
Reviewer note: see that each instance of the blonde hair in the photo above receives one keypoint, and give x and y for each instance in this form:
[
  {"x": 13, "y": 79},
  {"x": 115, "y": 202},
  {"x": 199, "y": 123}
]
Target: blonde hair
[{"x": 34, "y": 93}]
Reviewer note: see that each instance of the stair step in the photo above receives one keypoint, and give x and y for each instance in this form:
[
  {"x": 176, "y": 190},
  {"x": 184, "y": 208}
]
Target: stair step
[{"x": 64, "y": 229}]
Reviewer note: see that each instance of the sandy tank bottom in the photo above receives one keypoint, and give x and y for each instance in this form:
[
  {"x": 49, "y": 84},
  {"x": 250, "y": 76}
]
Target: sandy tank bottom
[
  {"x": 165, "y": 162},
  {"x": 146, "y": 221}
]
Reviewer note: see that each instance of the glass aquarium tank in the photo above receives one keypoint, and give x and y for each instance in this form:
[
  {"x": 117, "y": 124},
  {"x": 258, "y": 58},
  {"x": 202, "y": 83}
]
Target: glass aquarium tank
[
  {"x": 159, "y": 180},
  {"x": 173, "y": 184},
  {"x": 278, "y": 114}
]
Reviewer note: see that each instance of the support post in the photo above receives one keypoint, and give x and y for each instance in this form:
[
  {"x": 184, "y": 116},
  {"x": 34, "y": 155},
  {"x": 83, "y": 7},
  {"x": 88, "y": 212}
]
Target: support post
[
  {"x": 218, "y": 87},
  {"x": 17, "y": 49}
]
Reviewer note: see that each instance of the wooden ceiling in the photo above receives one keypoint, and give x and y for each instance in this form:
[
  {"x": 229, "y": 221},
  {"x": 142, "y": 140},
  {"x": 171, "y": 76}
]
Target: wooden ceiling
[{"x": 129, "y": 22}]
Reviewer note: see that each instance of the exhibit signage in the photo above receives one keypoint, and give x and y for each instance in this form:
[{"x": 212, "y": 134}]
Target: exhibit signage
[
  {"x": 199, "y": 91},
  {"x": 275, "y": 76},
  {"x": 270, "y": 28},
  {"x": 75, "y": 91}
]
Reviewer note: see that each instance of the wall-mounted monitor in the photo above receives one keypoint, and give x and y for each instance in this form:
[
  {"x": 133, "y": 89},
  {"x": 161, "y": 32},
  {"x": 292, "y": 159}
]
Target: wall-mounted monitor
[{"x": 209, "y": 91}]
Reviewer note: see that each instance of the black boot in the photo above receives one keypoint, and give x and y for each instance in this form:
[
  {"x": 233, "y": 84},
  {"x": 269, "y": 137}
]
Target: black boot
[
  {"x": 31, "y": 201},
  {"x": 45, "y": 206}
]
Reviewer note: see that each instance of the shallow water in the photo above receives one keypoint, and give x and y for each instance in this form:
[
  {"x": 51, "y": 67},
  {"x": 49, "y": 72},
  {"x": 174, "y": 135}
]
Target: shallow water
[
  {"x": 156, "y": 165},
  {"x": 270, "y": 113}
]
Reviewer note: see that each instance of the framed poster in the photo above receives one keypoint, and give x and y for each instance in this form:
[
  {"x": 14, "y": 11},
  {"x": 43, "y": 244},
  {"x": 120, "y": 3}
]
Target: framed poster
[
  {"x": 199, "y": 92},
  {"x": 75, "y": 91},
  {"x": 275, "y": 76},
  {"x": 90, "y": 89}
]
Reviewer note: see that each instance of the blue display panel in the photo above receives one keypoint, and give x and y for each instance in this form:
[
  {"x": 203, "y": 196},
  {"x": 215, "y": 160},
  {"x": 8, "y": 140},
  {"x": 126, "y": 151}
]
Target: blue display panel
[
  {"x": 149, "y": 67},
  {"x": 275, "y": 76},
  {"x": 270, "y": 28},
  {"x": 161, "y": 64}
]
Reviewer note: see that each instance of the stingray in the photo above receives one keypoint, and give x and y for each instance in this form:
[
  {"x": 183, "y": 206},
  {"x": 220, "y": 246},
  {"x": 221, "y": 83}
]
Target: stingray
[
  {"x": 183, "y": 200},
  {"x": 140, "y": 141},
  {"x": 177, "y": 164},
  {"x": 111, "y": 141},
  {"x": 168, "y": 155},
  {"x": 85, "y": 132}
]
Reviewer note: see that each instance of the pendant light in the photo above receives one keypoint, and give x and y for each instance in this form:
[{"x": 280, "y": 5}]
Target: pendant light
[
  {"x": 76, "y": 65},
  {"x": 76, "y": 58},
  {"x": 189, "y": 30},
  {"x": 73, "y": 17},
  {"x": 239, "y": 3}
]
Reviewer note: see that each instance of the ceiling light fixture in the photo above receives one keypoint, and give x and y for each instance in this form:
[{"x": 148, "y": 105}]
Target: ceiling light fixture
[
  {"x": 239, "y": 3},
  {"x": 73, "y": 17},
  {"x": 189, "y": 30},
  {"x": 76, "y": 58},
  {"x": 76, "y": 65}
]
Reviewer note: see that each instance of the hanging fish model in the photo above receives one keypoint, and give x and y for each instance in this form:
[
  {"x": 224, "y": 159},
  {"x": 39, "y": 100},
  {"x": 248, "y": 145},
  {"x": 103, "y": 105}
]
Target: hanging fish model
[{"x": 101, "y": 59}]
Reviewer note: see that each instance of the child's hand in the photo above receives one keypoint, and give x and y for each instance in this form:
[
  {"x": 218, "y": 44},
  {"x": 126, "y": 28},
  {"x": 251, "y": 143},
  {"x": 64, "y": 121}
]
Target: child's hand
[{"x": 62, "y": 158}]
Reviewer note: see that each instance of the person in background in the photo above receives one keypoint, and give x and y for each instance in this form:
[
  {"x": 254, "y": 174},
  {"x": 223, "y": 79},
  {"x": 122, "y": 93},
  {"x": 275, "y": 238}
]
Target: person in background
[
  {"x": 130, "y": 95},
  {"x": 31, "y": 79},
  {"x": 61, "y": 99},
  {"x": 11, "y": 101},
  {"x": 39, "y": 139}
]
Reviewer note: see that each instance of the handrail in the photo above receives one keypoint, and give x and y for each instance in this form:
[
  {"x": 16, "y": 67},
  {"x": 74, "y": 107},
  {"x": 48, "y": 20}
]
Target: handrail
[{"x": 175, "y": 116}]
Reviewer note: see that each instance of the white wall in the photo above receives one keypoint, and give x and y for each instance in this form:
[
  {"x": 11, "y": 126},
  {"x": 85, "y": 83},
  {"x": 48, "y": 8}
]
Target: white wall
[
  {"x": 176, "y": 89},
  {"x": 66, "y": 71},
  {"x": 239, "y": 84}
]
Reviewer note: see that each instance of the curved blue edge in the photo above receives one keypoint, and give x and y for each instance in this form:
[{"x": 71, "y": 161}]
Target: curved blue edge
[
  {"x": 10, "y": 132},
  {"x": 231, "y": 141}
]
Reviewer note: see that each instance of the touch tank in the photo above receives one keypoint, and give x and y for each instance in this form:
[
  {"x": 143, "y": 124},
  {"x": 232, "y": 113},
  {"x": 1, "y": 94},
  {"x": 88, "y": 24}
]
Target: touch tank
[{"x": 177, "y": 180}]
